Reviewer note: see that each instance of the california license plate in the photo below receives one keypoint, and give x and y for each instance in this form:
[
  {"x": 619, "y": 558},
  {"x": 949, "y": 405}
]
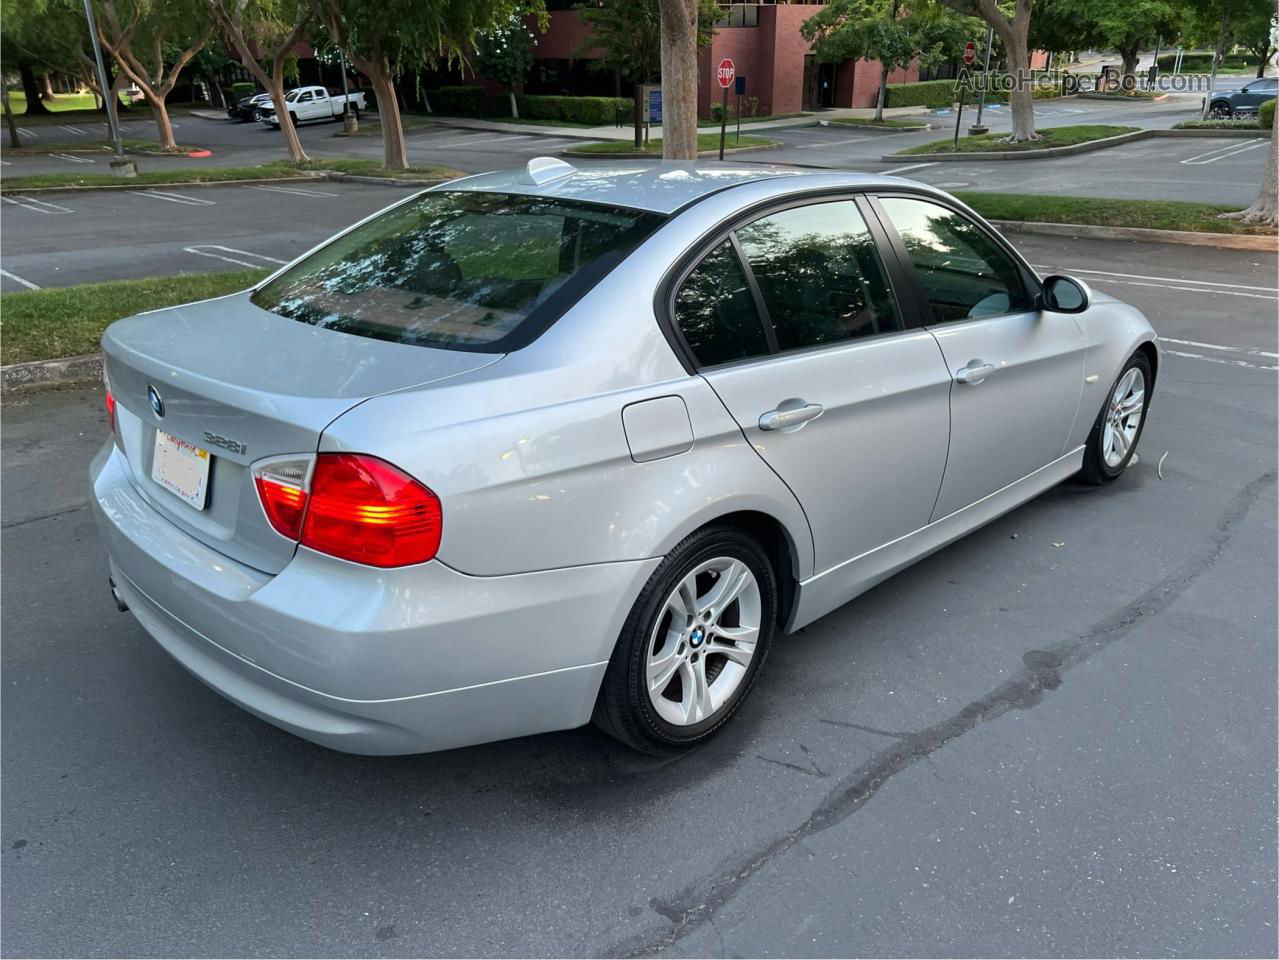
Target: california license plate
[{"x": 181, "y": 468}]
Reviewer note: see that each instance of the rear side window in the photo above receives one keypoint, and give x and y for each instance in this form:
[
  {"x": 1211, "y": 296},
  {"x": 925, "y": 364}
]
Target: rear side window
[
  {"x": 964, "y": 273},
  {"x": 716, "y": 312},
  {"x": 819, "y": 275},
  {"x": 459, "y": 270}
]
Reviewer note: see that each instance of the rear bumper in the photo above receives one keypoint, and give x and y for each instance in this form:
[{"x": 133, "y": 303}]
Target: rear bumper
[{"x": 364, "y": 660}]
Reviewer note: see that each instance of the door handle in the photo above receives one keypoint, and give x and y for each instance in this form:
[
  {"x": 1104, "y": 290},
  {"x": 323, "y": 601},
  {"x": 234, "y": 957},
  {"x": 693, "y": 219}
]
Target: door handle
[
  {"x": 790, "y": 415},
  {"x": 975, "y": 372}
]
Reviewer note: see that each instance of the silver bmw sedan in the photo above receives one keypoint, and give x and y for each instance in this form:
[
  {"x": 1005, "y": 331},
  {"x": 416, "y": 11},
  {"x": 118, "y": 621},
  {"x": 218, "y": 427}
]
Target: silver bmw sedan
[{"x": 537, "y": 448}]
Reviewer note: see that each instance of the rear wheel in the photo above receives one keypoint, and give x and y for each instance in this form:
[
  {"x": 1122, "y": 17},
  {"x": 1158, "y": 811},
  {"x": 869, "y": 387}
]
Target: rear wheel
[
  {"x": 693, "y": 644},
  {"x": 1115, "y": 434}
]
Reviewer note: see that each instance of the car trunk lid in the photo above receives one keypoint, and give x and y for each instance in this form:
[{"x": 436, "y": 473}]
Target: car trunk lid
[{"x": 244, "y": 384}]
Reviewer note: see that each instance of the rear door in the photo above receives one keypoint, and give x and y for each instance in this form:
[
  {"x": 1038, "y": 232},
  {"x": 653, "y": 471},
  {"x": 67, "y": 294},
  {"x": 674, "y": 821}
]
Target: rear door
[
  {"x": 793, "y": 321},
  {"x": 1018, "y": 373}
]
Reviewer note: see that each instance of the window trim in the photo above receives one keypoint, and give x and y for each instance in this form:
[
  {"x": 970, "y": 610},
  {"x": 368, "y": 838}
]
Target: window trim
[
  {"x": 1029, "y": 279},
  {"x": 668, "y": 287}
]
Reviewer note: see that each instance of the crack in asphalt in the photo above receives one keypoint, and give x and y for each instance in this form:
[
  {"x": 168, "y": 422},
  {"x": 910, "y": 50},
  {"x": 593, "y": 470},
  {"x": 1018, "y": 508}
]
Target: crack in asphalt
[
  {"x": 1042, "y": 670},
  {"x": 44, "y": 516}
]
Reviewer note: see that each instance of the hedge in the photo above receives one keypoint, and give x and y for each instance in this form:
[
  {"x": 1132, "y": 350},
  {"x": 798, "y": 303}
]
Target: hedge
[
  {"x": 459, "y": 101},
  {"x": 1266, "y": 114},
  {"x": 241, "y": 90},
  {"x": 923, "y": 93},
  {"x": 586, "y": 111}
]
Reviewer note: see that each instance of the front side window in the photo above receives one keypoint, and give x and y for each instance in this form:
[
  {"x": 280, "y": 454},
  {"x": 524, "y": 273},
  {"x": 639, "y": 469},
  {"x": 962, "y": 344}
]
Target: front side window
[
  {"x": 458, "y": 270},
  {"x": 819, "y": 275},
  {"x": 716, "y": 312},
  {"x": 964, "y": 273}
]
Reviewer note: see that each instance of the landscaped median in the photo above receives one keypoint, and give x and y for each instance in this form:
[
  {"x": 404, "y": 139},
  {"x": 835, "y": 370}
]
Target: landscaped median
[
  {"x": 1169, "y": 215},
  {"x": 343, "y": 166},
  {"x": 707, "y": 143},
  {"x": 1049, "y": 138}
]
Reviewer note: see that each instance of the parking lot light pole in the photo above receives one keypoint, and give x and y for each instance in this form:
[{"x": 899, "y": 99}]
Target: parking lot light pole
[
  {"x": 349, "y": 123},
  {"x": 121, "y": 165}
]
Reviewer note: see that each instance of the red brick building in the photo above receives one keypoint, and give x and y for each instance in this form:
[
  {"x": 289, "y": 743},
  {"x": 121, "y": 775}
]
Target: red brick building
[{"x": 763, "y": 40}]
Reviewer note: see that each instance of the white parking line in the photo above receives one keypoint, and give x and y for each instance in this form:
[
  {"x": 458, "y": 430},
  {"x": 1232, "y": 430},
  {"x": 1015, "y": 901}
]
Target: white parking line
[
  {"x": 39, "y": 206},
  {"x": 73, "y": 159},
  {"x": 1142, "y": 276},
  {"x": 914, "y": 166},
  {"x": 13, "y": 276},
  {"x": 1250, "y": 351},
  {"x": 1225, "y": 360},
  {"x": 174, "y": 197},
  {"x": 28, "y": 133},
  {"x": 1206, "y": 287},
  {"x": 70, "y": 129},
  {"x": 299, "y": 191},
  {"x": 1223, "y": 153},
  {"x": 203, "y": 250}
]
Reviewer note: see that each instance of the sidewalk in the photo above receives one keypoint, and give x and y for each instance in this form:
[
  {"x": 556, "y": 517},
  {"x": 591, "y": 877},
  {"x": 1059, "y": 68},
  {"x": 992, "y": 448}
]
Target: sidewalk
[{"x": 626, "y": 133}]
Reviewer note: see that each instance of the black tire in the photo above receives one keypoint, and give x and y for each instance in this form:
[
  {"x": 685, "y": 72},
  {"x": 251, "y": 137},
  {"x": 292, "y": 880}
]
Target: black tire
[
  {"x": 1221, "y": 110},
  {"x": 1095, "y": 469},
  {"x": 623, "y": 709}
]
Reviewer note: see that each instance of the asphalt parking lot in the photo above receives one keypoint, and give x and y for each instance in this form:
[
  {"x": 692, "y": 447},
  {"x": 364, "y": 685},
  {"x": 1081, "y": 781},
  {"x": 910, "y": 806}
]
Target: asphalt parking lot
[{"x": 1054, "y": 738}]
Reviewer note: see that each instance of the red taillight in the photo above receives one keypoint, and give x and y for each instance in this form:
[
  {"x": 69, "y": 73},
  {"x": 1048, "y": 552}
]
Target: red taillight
[
  {"x": 351, "y": 506},
  {"x": 364, "y": 509},
  {"x": 110, "y": 405}
]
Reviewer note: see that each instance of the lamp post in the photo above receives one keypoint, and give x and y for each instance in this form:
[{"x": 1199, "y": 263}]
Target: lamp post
[
  {"x": 977, "y": 128},
  {"x": 349, "y": 122},
  {"x": 121, "y": 165}
]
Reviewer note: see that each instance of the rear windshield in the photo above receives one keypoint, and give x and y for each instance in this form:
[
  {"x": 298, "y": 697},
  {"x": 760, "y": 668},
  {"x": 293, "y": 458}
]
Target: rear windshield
[{"x": 465, "y": 271}]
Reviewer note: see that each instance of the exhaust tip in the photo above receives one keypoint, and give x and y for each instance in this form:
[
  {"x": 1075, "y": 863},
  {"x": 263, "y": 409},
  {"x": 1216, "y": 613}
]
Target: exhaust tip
[{"x": 115, "y": 595}]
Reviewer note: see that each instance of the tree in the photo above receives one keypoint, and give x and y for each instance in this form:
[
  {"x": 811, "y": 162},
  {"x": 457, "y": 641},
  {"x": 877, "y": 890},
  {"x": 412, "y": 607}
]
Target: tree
[
  {"x": 883, "y": 30},
  {"x": 505, "y": 54},
  {"x": 1258, "y": 33},
  {"x": 1013, "y": 32},
  {"x": 628, "y": 34},
  {"x": 1265, "y": 209},
  {"x": 411, "y": 34},
  {"x": 1131, "y": 25},
  {"x": 270, "y": 28},
  {"x": 679, "y": 79},
  {"x": 153, "y": 42}
]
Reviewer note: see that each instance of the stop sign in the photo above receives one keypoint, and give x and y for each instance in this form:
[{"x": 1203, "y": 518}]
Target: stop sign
[
  {"x": 725, "y": 73},
  {"x": 970, "y": 53}
]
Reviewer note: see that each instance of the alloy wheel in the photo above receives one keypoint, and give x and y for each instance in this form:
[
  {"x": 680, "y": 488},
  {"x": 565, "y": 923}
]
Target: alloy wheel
[
  {"x": 1123, "y": 417},
  {"x": 703, "y": 641}
]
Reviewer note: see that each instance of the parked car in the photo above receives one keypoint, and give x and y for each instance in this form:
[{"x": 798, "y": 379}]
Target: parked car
[
  {"x": 312, "y": 103},
  {"x": 533, "y": 448},
  {"x": 1246, "y": 100},
  {"x": 248, "y": 108}
]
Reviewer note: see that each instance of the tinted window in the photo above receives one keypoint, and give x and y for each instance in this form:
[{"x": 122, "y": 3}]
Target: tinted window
[
  {"x": 715, "y": 310},
  {"x": 458, "y": 270},
  {"x": 964, "y": 274},
  {"x": 819, "y": 274}
]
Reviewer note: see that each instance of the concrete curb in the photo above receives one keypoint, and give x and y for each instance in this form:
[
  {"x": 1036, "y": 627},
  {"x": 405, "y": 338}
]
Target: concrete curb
[
  {"x": 1119, "y": 97},
  {"x": 1071, "y": 150},
  {"x": 338, "y": 177},
  {"x": 579, "y": 155},
  {"x": 1226, "y": 241},
  {"x": 50, "y": 373},
  {"x": 836, "y": 125}
]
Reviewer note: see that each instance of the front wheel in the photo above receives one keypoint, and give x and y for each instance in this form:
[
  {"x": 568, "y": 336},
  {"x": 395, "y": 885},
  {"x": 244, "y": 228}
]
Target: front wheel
[
  {"x": 693, "y": 644},
  {"x": 1115, "y": 434},
  {"x": 1221, "y": 110}
]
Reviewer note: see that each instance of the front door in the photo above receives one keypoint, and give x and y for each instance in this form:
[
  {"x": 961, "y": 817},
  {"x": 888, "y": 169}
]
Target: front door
[
  {"x": 795, "y": 324},
  {"x": 1018, "y": 373}
]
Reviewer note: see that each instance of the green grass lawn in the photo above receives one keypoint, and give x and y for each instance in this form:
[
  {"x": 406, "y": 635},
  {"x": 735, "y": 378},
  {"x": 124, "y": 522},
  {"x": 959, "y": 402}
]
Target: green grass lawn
[
  {"x": 61, "y": 102},
  {"x": 1151, "y": 214},
  {"x": 732, "y": 121},
  {"x": 1237, "y": 123},
  {"x": 87, "y": 146},
  {"x": 917, "y": 123},
  {"x": 269, "y": 171},
  {"x": 68, "y": 321},
  {"x": 705, "y": 142},
  {"x": 1049, "y": 137}
]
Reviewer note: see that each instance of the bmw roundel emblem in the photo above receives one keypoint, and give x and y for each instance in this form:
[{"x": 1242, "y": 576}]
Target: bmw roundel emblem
[{"x": 157, "y": 402}]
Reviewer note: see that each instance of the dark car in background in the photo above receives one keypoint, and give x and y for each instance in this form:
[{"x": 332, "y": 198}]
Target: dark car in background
[
  {"x": 1247, "y": 99},
  {"x": 249, "y": 108}
]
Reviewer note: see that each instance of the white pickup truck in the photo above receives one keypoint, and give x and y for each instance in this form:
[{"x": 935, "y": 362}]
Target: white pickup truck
[{"x": 312, "y": 103}]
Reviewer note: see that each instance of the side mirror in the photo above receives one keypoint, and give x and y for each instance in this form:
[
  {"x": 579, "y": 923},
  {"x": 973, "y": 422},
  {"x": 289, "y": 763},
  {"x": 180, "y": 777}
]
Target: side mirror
[{"x": 1062, "y": 294}]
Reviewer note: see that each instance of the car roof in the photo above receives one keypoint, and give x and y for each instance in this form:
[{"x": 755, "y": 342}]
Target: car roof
[{"x": 660, "y": 187}]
